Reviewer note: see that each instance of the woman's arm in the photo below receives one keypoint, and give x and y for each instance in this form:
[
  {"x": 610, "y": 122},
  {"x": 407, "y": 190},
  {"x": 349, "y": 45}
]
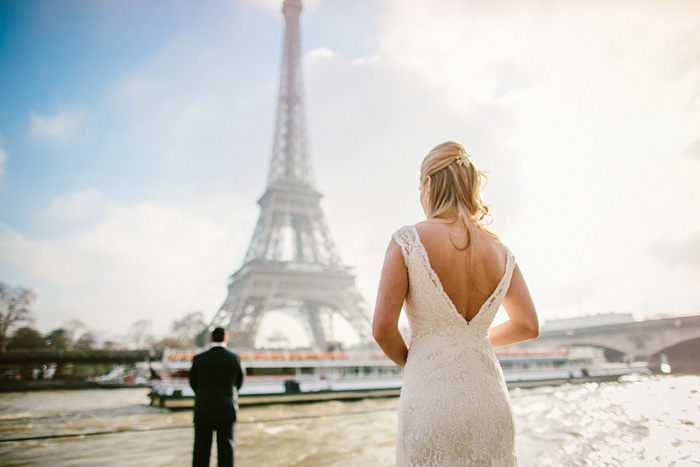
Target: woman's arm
[
  {"x": 393, "y": 287},
  {"x": 523, "y": 324}
]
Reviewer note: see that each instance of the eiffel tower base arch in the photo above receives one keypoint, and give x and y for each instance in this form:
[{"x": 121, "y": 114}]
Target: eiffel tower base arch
[{"x": 313, "y": 297}]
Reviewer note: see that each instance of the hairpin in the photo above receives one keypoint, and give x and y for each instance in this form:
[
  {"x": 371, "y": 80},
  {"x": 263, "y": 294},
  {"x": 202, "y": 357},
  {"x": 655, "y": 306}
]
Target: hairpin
[{"x": 463, "y": 159}]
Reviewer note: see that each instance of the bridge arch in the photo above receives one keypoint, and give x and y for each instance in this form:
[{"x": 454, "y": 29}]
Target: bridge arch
[
  {"x": 682, "y": 357},
  {"x": 639, "y": 340}
]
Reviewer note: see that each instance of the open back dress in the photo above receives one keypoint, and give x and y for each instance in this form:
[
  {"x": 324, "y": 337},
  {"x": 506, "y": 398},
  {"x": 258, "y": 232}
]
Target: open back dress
[{"x": 454, "y": 408}]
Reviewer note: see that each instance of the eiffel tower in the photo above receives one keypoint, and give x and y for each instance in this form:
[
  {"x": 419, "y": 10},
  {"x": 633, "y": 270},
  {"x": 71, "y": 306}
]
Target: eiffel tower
[{"x": 292, "y": 264}]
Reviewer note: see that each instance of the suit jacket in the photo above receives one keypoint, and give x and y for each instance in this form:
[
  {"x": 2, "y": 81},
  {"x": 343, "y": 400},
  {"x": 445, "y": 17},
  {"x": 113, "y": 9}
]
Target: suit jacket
[{"x": 216, "y": 376}]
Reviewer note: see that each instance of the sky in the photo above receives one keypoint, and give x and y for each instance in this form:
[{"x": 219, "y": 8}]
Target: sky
[{"x": 135, "y": 140}]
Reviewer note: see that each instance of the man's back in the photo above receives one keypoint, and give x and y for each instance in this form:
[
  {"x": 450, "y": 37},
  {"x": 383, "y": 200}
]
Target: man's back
[{"x": 213, "y": 376}]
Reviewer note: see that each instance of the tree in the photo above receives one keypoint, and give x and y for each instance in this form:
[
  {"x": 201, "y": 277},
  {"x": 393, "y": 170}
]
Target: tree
[
  {"x": 86, "y": 342},
  {"x": 202, "y": 338},
  {"x": 168, "y": 341},
  {"x": 187, "y": 329},
  {"x": 58, "y": 340},
  {"x": 15, "y": 303},
  {"x": 74, "y": 328},
  {"x": 27, "y": 338},
  {"x": 140, "y": 333},
  {"x": 108, "y": 345}
]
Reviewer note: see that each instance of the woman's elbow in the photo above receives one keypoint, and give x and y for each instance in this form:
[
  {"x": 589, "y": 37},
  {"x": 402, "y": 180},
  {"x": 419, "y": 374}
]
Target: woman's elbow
[
  {"x": 533, "y": 330},
  {"x": 380, "y": 332}
]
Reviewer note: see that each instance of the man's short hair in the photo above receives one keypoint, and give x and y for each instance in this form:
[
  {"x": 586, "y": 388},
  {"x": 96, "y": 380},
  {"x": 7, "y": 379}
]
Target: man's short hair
[{"x": 218, "y": 335}]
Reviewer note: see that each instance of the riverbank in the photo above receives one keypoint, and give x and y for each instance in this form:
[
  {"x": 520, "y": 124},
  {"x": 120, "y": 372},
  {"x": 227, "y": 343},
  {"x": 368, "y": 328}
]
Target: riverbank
[{"x": 57, "y": 385}]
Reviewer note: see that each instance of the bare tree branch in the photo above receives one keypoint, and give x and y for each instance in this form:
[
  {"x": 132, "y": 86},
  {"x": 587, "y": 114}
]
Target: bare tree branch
[{"x": 15, "y": 307}]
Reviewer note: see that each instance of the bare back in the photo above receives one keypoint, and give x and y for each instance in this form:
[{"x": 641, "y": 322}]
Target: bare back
[{"x": 468, "y": 276}]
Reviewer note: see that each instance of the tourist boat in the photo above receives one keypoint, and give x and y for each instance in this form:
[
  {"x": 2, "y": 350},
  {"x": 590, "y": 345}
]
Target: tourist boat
[
  {"x": 551, "y": 367},
  {"x": 286, "y": 376},
  {"x": 277, "y": 376}
]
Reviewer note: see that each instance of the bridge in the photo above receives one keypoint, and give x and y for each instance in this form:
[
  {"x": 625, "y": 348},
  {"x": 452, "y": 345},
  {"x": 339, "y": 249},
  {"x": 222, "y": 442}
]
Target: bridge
[
  {"x": 677, "y": 337},
  {"x": 22, "y": 370},
  {"x": 94, "y": 357}
]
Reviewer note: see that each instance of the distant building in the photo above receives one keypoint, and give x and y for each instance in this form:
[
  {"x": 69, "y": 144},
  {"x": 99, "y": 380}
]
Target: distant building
[{"x": 603, "y": 319}]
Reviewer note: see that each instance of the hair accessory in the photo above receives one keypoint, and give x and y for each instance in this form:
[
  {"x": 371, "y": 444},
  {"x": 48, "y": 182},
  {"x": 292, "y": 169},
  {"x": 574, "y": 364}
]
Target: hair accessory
[{"x": 463, "y": 159}]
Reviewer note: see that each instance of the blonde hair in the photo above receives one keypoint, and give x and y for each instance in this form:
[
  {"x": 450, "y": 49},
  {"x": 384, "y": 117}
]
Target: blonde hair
[{"x": 456, "y": 186}]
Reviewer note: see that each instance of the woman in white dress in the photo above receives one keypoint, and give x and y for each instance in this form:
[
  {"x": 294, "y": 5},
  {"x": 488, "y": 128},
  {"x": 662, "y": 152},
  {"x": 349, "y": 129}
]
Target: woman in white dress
[{"x": 451, "y": 275}]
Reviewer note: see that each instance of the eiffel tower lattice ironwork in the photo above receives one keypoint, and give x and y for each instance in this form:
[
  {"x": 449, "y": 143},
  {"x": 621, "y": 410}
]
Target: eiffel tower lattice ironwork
[{"x": 292, "y": 264}]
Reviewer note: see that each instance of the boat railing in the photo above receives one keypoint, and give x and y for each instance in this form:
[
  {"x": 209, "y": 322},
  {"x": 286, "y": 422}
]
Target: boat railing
[
  {"x": 179, "y": 355},
  {"x": 171, "y": 355},
  {"x": 306, "y": 355},
  {"x": 531, "y": 352}
]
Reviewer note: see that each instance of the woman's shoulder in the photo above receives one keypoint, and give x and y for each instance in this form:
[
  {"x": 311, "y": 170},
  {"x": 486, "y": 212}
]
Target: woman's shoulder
[
  {"x": 427, "y": 228},
  {"x": 405, "y": 228},
  {"x": 404, "y": 235},
  {"x": 435, "y": 231}
]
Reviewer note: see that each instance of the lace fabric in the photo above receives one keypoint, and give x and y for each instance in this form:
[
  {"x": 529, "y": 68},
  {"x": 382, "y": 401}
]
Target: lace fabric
[{"x": 454, "y": 407}]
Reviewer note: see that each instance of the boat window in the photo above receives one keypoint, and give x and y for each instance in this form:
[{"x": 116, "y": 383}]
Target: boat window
[{"x": 269, "y": 371}]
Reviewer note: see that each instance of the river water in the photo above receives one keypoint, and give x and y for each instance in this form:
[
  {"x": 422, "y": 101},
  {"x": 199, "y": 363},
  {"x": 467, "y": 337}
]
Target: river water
[{"x": 637, "y": 421}]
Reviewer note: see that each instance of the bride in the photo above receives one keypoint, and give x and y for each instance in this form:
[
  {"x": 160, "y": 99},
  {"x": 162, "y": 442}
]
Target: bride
[{"x": 451, "y": 275}]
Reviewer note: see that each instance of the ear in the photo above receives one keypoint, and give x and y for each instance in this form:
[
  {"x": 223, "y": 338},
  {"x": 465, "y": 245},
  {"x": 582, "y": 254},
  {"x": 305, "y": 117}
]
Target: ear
[{"x": 427, "y": 183}]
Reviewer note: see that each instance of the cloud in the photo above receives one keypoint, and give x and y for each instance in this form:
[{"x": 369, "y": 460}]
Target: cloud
[
  {"x": 77, "y": 206},
  {"x": 134, "y": 88},
  {"x": 682, "y": 252},
  {"x": 693, "y": 150},
  {"x": 62, "y": 127},
  {"x": 147, "y": 260}
]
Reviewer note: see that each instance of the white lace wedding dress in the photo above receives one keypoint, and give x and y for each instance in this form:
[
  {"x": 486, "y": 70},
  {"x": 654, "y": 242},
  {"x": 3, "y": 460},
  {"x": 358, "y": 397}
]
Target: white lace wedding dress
[{"x": 454, "y": 408}]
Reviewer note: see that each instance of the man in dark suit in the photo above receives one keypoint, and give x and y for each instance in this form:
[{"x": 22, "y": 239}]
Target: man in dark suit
[{"x": 216, "y": 376}]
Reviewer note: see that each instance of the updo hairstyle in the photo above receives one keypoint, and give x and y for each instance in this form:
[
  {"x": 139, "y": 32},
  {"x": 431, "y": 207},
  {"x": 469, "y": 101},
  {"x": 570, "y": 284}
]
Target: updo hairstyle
[{"x": 456, "y": 186}]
